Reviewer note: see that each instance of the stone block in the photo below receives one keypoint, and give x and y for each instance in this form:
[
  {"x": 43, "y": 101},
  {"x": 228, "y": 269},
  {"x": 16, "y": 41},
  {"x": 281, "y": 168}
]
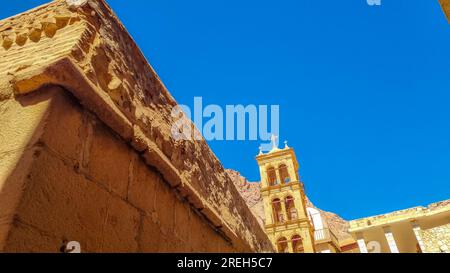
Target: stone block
[
  {"x": 153, "y": 240},
  {"x": 11, "y": 180},
  {"x": 62, "y": 132},
  {"x": 226, "y": 248},
  {"x": 109, "y": 160},
  {"x": 4, "y": 231},
  {"x": 62, "y": 203},
  {"x": 6, "y": 90},
  {"x": 150, "y": 236},
  {"x": 182, "y": 218},
  {"x": 121, "y": 227},
  {"x": 142, "y": 188},
  {"x": 165, "y": 207},
  {"x": 173, "y": 244},
  {"x": 22, "y": 121},
  {"x": 201, "y": 234},
  {"x": 26, "y": 239}
]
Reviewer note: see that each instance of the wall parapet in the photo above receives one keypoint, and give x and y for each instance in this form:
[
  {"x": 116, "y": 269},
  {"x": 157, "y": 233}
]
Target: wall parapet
[
  {"x": 399, "y": 216},
  {"x": 445, "y": 5}
]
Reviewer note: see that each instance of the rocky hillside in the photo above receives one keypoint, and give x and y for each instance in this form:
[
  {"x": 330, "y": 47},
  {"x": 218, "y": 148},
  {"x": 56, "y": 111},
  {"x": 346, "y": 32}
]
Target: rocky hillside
[{"x": 251, "y": 194}]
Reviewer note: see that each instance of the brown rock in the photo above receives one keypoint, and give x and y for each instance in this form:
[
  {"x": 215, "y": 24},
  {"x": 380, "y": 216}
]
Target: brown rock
[{"x": 251, "y": 193}]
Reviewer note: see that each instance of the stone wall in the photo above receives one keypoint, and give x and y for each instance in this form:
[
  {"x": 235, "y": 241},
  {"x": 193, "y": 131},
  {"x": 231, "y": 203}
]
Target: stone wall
[
  {"x": 437, "y": 239},
  {"x": 82, "y": 168},
  {"x": 85, "y": 184},
  {"x": 445, "y": 4}
]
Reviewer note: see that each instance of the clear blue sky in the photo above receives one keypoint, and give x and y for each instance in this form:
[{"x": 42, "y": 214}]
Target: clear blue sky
[{"x": 364, "y": 92}]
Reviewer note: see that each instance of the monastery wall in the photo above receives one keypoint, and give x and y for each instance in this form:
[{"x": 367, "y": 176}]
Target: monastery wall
[
  {"x": 86, "y": 150},
  {"x": 83, "y": 183},
  {"x": 445, "y": 5}
]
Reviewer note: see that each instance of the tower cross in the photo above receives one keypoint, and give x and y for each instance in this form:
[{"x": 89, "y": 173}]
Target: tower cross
[{"x": 274, "y": 141}]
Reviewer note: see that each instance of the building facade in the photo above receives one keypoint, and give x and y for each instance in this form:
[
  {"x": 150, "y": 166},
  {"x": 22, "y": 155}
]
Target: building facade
[
  {"x": 414, "y": 230},
  {"x": 286, "y": 218},
  {"x": 290, "y": 224},
  {"x": 294, "y": 225}
]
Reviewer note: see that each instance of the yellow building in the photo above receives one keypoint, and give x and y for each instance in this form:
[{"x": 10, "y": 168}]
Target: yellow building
[
  {"x": 294, "y": 225},
  {"x": 289, "y": 223},
  {"x": 414, "y": 230}
]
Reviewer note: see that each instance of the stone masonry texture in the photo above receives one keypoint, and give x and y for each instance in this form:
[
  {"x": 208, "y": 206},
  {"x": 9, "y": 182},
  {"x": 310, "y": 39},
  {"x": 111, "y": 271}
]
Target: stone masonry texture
[
  {"x": 437, "y": 239},
  {"x": 86, "y": 151}
]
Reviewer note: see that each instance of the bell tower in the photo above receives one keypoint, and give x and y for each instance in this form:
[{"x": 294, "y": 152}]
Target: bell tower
[{"x": 287, "y": 223}]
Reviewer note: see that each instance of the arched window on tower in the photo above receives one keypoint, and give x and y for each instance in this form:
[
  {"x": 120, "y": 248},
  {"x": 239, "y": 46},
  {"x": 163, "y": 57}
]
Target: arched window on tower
[
  {"x": 291, "y": 211},
  {"x": 282, "y": 245},
  {"x": 277, "y": 211},
  {"x": 272, "y": 176},
  {"x": 297, "y": 244},
  {"x": 284, "y": 174}
]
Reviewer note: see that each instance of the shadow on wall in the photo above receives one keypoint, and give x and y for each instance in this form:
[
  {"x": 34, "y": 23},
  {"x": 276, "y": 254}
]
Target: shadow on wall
[
  {"x": 67, "y": 177},
  {"x": 22, "y": 121}
]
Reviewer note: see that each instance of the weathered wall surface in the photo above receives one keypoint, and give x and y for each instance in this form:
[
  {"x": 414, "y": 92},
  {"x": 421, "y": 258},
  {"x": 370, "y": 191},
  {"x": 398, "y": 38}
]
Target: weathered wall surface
[
  {"x": 437, "y": 239},
  {"x": 21, "y": 128},
  {"x": 87, "y": 51},
  {"x": 445, "y": 4},
  {"x": 85, "y": 184}
]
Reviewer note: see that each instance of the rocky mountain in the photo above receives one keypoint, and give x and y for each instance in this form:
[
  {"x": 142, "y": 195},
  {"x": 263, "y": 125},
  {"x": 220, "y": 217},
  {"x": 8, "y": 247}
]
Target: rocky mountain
[{"x": 250, "y": 192}]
